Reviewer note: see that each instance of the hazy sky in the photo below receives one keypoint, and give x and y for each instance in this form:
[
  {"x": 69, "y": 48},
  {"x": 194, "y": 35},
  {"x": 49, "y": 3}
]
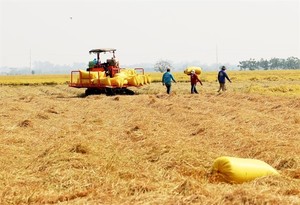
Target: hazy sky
[{"x": 63, "y": 31}]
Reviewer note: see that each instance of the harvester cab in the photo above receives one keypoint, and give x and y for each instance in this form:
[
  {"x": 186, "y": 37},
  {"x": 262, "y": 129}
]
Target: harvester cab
[
  {"x": 106, "y": 76},
  {"x": 110, "y": 66}
]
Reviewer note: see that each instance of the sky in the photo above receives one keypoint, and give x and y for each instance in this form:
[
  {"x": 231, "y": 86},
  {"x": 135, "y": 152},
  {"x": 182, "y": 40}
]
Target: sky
[{"x": 146, "y": 31}]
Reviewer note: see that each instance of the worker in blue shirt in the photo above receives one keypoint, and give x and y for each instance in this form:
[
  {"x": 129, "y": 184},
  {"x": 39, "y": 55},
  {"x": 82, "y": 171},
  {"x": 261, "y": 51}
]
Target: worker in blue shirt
[
  {"x": 167, "y": 79},
  {"x": 222, "y": 76}
]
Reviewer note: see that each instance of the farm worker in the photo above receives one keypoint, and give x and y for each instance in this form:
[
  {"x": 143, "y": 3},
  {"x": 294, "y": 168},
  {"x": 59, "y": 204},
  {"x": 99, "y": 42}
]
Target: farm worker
[
  {"x": 167, "y": 79},
  {"x": 222, "y": 75},
  {"x": 194, "y": 80}
]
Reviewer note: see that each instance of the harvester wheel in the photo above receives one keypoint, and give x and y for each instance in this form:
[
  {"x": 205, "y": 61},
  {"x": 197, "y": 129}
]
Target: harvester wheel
[
  {"x": 129, "y": 92},
  {"x": 88, "y": 92},
  {"x": 110, "y": 91},
  {"x": 91, "y": 91}
]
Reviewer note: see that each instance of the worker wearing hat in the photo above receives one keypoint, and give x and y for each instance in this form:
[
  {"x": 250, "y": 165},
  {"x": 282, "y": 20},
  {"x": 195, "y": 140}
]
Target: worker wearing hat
[
  {"x": 222, "y": 76},
  {"x": 194, "y": 80}
]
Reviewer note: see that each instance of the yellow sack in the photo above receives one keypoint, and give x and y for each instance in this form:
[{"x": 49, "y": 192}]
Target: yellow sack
[
  {"x": 145, "y": 79},
  {"x": 105, "y": 81},
  {"x": 128, "y": 71},
  {"x": 84, "y": 81},
  {"x": 131, "y": 71},
  {"x": 149, "y": 80},
  {"x": 117, "y": 81},
  {"x": 197, "y": 70},
  {"x": 102, "y": 74},
  {"x": 133, "y": 80},
  {"x": 121, "y": 75},
  {"x": 88, "y": 75},
  {"x": 239, "y": 170},
  {"x": 141, "y": 79}
]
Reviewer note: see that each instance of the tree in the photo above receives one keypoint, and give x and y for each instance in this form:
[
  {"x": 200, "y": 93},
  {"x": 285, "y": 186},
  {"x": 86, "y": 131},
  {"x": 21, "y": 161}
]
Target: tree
[
  {"x": 275, "y": 63},
  {"x": 251, "y": 64},
  {"x": 263, "y": 63},
  {"x": 281, "y": 63},
  {"x": 243, "y": 65},
  {"x": 162, "y": 65},
  {"x": 292, "y": 63}
]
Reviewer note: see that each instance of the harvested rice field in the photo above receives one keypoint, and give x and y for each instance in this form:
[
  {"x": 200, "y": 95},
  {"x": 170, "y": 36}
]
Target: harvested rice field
[{"x": 59, "y": 147}]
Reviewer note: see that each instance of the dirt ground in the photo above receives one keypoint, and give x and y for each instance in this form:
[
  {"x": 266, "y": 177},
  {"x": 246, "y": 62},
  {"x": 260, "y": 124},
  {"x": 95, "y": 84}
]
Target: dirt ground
[{"x": 57, "y": 146}]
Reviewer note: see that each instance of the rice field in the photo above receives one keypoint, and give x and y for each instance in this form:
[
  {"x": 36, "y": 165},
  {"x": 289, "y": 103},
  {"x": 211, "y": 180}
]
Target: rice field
[
  {"x": 60, "y": 147},
  {"x": 34, "y": 79},
  {"x": 276, "y": 82}
]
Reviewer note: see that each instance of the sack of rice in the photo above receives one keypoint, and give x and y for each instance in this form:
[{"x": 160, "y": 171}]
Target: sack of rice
[
  {"x": 239, "y": 170},
  {"x": 88, "y": 75},
  {"x": 133, "y": 80},
  {"x": 145, "y": 79},
  {"x": 197, "y": 70},
  {"x": 128, "y": 71},
  {"x": 84, "y": 81},
  {"x": 102, "y": 74},
  {"x": 149, "y": 80},
  {"x": 105, "y": 81},
  {"x": 121, "y": 75},
  {"x": 141, "y": 79},
  {"x": 117, "y": 81}
]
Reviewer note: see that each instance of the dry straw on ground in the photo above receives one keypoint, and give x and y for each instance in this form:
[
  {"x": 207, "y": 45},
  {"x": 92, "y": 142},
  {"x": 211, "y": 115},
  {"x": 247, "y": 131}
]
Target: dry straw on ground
[{"x": 57, "y": 147}]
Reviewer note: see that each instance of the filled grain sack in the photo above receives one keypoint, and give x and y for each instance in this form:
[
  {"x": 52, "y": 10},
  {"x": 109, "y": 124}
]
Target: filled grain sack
[
  {"x": 149, "y": 80},
  {"x": 117, "y": 81},
  {"x": 239, "y": 170},
  {"x": 145, "y": 79},
  {"x": 128, "y": 71},
  {"x": 133, "y": 80},
  {"x": 102, "y": 74},
  {"x": 141, "y": 79},
  {"x": 197, "y": 70},
  {"x": 122, "y": 75},
  {"x": 105, "y": 81},
  {"x": 84, "y": 81},
  {"x": 88, "y": 75}
]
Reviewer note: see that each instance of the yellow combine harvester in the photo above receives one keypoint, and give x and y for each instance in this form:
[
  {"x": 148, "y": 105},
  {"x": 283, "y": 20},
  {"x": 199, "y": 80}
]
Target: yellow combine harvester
[{"x": 107, "y": 77}]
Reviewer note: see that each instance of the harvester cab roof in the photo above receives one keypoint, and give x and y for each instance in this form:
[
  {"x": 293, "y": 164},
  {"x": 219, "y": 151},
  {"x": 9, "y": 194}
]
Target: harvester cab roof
[
  {"x": 98, "y": 65},
  {"x": 103, "y": 50}
]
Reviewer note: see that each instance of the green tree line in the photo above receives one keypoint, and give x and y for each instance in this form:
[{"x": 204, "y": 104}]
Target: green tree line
[{"x": 272, "y": 64}]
